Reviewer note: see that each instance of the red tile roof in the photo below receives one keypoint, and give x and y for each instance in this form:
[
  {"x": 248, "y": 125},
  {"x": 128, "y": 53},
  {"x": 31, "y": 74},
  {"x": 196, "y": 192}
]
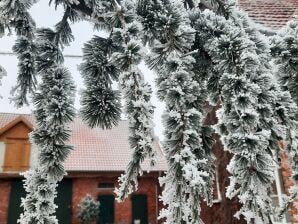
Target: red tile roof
[
  {"x": 97, "y": 149},
  {"x": 273, "y": 14}
]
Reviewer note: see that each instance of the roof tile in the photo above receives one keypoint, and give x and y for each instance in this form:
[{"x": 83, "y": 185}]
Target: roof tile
[{"x": 273, "y": 14}]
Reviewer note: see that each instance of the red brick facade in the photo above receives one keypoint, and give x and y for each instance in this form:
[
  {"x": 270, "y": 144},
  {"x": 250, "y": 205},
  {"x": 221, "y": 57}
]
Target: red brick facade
[
  {"x": 288, "y": 183},
  {"x": 88, "y": 184},
  {"x": 4, "y": 195},
  {"x": 148, "y": 185}
]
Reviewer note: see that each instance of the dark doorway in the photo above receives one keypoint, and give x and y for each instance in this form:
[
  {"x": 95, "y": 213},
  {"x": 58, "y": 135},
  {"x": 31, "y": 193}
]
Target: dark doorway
[
  {"x": 139, "y": 209},
  {"x": 63, "y": 201},
  {"x": 107, "y": 209},
  {"x": 14, "y": 208}
]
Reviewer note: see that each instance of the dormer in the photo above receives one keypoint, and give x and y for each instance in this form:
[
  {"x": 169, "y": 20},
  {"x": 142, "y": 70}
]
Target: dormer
[{"x": 15, "y": 147}]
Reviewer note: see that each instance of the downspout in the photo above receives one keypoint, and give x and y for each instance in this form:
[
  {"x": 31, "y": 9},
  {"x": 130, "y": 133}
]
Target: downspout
[
  {"x": 279, "y": 191},
  {"x": 156, "y": 196}
]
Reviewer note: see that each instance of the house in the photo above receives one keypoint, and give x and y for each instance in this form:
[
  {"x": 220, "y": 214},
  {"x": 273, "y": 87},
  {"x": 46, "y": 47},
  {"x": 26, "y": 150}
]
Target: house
[{"x": 98, "y": 159}]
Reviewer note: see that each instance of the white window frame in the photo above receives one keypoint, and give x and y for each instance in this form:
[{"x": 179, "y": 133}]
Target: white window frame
[
  {"x": 279, "y": 195},
  {"x": 219, "y": 198}
]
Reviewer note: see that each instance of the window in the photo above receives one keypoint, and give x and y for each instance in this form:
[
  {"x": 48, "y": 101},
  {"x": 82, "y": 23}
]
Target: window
[
  {"x": 106, "y": 186},
  {"x": 277, "y": 192},
  {"x": 107, "y": 209},
  {"x": 216, "y": 189},
  {"x": 17, "y": 155}
]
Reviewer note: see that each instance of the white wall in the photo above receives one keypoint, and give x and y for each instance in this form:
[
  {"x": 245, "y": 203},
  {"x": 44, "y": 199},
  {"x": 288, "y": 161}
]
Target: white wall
[
  {"x": 33, "y": 155},
  {"x": 2, "y": 154}
]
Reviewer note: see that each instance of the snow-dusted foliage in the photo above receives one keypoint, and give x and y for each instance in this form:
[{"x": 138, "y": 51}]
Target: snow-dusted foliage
[
  {"x": 88, "y": 210},
  {"x": 100, "y": 103},
  {"x": 245, "y": 119},
  {"x": 213, "y": 57},
  {"x": 15, "y": 16},
  {"x": 255, "y": 114},
  {"x": 39, "y": 204},
  {"x": 2, "y": 74},
  {"x": 190, "y": 174},
  {"x": 53, "y": 99},
  {"x": 284, "y": 48},
  {"x": 181, "y": 85},
  {"x": 137, "y": 96},
  {"x": 141, "y": 128},
  {"x": 116, "y": 59}
]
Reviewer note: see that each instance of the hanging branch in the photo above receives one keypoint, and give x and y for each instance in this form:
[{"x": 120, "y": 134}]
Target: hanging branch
[
  {"x": 101, "y": 104},
  {"x": 247, "y": 123},
  {"x": 284, "y": 49},
  {"x": 137, "y": 95},
  {"x": 54, "y": 111},
  {"x": 187, "y": 143},
  {"x": 15, "y": 15},
  {"x": 190, "y": 51}
]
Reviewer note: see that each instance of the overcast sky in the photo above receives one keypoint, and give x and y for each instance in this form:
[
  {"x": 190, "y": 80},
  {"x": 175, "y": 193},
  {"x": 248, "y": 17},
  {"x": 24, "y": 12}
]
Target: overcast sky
[{"x": 47, "y": 17}]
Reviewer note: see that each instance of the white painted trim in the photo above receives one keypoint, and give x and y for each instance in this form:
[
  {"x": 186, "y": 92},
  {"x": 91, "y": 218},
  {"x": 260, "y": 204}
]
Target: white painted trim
[
  {"x": 219, "y": 198},
  {"x": 278, "y": 184},
  {"x": 2, "y": 155}
]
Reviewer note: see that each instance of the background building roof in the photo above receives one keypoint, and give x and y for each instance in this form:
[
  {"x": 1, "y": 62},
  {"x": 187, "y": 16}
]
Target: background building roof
[
  {"x": 96, "y": 149},
  {"x": 273, "y": 14}
]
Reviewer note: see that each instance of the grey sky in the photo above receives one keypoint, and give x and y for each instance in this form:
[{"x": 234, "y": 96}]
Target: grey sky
[{"x": 47, "y": 17}]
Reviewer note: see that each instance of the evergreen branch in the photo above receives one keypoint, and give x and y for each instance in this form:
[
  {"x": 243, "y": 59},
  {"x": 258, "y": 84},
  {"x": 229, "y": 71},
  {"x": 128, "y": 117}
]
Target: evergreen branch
[
  {"x": 63, "y": 33},
  {"x": 26, "y": 81},
  {"x": 54, "y": 111},
  {"x": 137, "y": 97},
  {"x": 15, "y": 14},
  {"x": 244, "y": 123},
  {"x": 190, "y": 53},
  {"x": 284, "y": 50},
  {"x": 140, "y": 111},
  {"x": 100, "y": 104},
  {"x": 190, "y": 174}
]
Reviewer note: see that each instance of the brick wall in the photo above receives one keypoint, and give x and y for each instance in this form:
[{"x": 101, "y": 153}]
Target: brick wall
[
  {"x": 4, "y": 199},
  {"x": 288, "y": 183},
  {"x": 123, "y": 211}
]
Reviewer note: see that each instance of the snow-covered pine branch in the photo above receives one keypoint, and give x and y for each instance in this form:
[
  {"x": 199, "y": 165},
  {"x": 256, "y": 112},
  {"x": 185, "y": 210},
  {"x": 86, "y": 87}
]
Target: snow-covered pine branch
[
  {"x": 101, "y": 105},
  {"x": 136, "y": 93},
  {"x": 284, "y": 49},
  {"x": 15, "y": 16},
  {"x": 174, "y": 55},
  {"x": 2, "y": 74},
  {"x": 190, "y": 173},
  {"x": 104, "y": 60},
  {"x": 54, "y": 111},
  {"x": 248, "y": 123},
  {"x": 198, "y": 57}
]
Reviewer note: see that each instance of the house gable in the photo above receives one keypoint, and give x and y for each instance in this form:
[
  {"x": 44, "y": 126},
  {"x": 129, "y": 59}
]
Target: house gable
[
  {"x": 17, "y": 128},
  {"x": 15, "y": 146}
]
